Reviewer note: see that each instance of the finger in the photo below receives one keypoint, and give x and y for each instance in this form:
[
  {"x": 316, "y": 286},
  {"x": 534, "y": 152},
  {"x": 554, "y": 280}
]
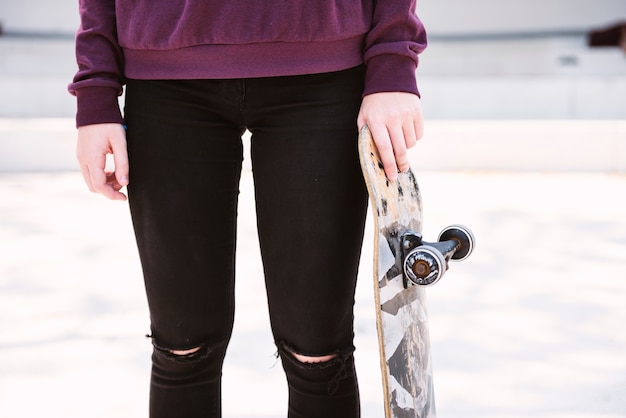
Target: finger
[
  {"x": 97, "y": 176},
  {"x": 86, "y": 176},
  {"x": 418, "y": 126},
  {"x": 108, "y": 190},
  {"x": 360, "y": 120},
  {"x": 385, "y": 150},
  {"x": 398, "y": 141},
  {"x": 101, "y": 182},
  {"x": 114, "y": 188},
  {"x": 84, "y": 168},
  {"x": 410, "y": 138},
  {"x": 120, "y": 158},
  {"x": 112, "y": 181}
]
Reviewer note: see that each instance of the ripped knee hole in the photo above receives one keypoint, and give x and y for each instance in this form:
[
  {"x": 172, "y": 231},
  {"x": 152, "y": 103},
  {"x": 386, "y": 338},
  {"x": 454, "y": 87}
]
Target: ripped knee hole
[
  {"x": 185, "y": 352},
  {"x": 313, "y": 359},
  {"x": 307, "y": 359}
]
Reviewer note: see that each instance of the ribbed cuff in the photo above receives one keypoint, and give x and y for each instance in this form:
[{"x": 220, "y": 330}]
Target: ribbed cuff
[
  {"x": 97, "y": 105},
  {"x": 390, "y": 73}
]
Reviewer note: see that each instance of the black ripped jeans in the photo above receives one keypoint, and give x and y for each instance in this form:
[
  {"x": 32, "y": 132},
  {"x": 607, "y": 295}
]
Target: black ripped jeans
[{"x": 185, "y": 150}]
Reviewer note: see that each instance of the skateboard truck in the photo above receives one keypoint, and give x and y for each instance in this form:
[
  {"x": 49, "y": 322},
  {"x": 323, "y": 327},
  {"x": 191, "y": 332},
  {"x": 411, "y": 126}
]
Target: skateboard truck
[{"x": 426, "y": 262}]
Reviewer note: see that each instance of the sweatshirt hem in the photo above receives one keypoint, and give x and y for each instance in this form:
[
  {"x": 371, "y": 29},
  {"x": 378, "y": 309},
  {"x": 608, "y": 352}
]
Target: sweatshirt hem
[{"x": 244, "y": 60}]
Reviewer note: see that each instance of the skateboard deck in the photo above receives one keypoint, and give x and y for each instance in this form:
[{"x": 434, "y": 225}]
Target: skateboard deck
[
  {"x": 401, "y": 316},
  {"x": 403, "y": 265}
]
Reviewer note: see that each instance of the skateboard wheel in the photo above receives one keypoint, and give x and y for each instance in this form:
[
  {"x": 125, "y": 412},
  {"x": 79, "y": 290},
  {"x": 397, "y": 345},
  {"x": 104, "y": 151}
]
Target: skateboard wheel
[
  {"x": 463, "y": 236},
  {"x": 424, "y": 265}
]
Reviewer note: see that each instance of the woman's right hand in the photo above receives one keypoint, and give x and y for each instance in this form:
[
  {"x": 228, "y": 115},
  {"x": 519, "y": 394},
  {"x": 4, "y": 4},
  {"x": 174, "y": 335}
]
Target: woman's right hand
[{"x": 94, "y": 143}]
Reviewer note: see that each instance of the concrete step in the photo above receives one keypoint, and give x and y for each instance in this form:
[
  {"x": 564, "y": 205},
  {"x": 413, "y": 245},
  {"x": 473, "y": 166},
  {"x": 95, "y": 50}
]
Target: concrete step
[
  {"x": 546, "y": 78},
  {"x": 34, "y": 74}
]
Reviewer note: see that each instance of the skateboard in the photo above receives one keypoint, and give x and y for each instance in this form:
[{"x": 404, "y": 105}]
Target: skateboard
[{"x": 404, "y": 265}]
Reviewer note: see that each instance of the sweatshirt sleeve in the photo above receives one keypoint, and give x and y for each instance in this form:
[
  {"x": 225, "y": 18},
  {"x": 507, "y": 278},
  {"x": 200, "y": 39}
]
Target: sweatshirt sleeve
[
  {"x": 99, "y": 79},
  {"x": 392, "y": 46}
]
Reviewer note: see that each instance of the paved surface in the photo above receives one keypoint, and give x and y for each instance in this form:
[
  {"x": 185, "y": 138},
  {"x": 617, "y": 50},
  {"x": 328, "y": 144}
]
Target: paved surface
[{"x": 531, "y": 325}]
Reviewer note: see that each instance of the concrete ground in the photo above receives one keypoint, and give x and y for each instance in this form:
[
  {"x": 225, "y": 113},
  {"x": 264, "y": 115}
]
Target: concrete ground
[{"x": 532, "y": 324}]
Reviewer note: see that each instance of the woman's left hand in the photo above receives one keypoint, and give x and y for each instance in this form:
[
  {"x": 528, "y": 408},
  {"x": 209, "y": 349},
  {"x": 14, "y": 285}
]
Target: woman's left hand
[{"x": 395, "y": 121}]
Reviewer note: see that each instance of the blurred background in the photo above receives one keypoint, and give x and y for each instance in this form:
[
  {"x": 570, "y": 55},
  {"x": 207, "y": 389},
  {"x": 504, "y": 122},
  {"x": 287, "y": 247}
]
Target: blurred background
[
  {"x": 525, "y": 142},
  {"x": 487, "y": 59}
]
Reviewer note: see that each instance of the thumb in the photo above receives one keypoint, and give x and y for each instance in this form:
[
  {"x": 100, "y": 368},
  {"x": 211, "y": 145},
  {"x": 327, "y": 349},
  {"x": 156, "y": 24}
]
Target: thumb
[{"x": 120, "y": 158}]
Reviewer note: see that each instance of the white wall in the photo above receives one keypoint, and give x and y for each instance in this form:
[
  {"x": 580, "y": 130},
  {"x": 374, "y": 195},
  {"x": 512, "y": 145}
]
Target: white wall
[
  {"x": 41, "y": 16},
  {"x": 448, "y": 17},
  {"x": 441, "y": 16}
]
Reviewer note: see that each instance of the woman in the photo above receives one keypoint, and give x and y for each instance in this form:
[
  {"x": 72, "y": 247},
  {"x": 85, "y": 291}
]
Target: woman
[{"x": 301, "y": 76}]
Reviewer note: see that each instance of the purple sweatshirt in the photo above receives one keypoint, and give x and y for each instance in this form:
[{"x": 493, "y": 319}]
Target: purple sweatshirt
[{"x": 204, "y": 39}]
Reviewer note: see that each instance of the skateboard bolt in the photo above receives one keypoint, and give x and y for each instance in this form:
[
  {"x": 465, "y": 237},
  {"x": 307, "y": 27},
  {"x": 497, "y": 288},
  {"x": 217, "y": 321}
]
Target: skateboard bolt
[{"x": 421, "y": 268}]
